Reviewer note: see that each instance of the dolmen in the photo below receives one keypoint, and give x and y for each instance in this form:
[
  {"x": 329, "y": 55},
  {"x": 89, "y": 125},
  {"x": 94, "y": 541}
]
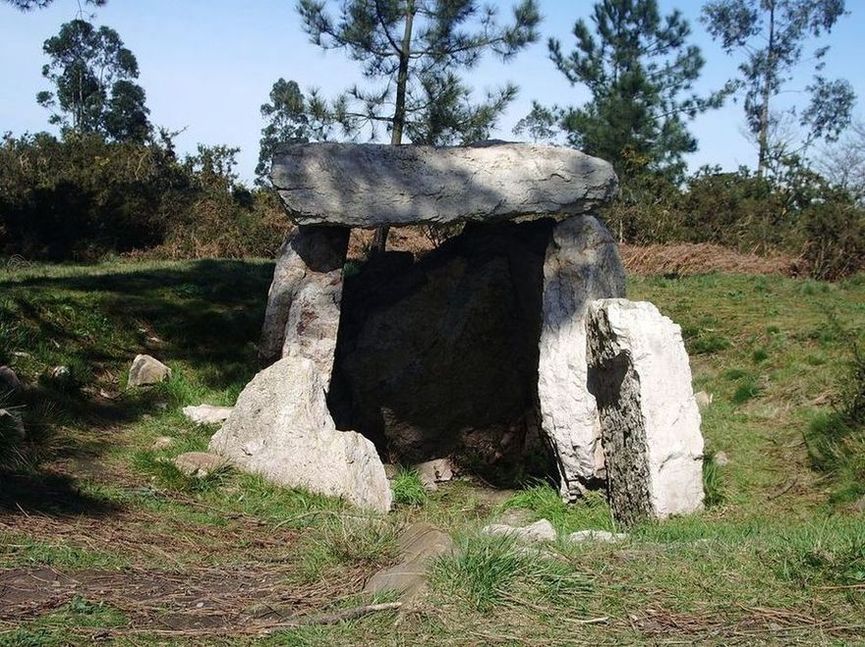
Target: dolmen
[{"x": 510, "y": 348}]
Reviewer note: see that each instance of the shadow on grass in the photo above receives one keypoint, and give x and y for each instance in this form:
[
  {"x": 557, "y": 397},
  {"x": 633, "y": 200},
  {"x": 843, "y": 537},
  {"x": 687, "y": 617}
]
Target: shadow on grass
[
  {"x": 48, "y": 493},
  {"x": 204, "y": 314}
]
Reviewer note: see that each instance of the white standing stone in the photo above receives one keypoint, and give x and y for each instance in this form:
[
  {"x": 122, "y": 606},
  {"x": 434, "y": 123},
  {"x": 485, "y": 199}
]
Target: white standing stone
[
  {"x": 582, "y": 264},
  {"x": 650, "y": 422},
  {"x": 282, "y": 429},
  {"x": 303, "y": 303}
]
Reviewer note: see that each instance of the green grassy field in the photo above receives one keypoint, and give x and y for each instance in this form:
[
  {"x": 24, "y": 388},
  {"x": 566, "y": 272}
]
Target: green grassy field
[{"x": 101, "y": 539}]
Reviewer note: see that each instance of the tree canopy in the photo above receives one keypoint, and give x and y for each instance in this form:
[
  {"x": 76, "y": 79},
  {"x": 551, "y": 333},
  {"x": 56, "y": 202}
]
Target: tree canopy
[
  {"x": 93, "y": 77},
  {"x": 772, "y": 34},
  {"x": 639, "y": 70}
]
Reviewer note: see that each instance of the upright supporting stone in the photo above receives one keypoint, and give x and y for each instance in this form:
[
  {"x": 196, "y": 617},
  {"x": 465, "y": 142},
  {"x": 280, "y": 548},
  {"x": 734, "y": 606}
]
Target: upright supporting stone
[
  {"x": 582, "y": 264},
  {"x": 281, "y": 428},
  {"x": 302, "y": 314},
  {"x": 650, "y": 423}
]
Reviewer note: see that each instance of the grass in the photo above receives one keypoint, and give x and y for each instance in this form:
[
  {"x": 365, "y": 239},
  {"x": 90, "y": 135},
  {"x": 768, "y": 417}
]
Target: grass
[
  {"x": 777, "y": 556},
  {"x": 408, "y": 488}
]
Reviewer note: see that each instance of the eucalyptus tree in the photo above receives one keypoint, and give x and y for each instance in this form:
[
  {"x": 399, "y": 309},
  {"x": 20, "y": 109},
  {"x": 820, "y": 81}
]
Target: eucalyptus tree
[
  {"x": 93, "y": 77},
  {"x": 772, "y": 36}
]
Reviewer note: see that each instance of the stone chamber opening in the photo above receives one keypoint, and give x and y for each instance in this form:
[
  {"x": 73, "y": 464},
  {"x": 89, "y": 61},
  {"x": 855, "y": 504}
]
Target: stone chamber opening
[{"x": 439, "y": 356}]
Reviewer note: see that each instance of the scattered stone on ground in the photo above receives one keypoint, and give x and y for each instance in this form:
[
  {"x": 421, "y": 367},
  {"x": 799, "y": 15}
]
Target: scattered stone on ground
[
  {"x": 12, "y": 419},
  {"x": 541, "y": 530},
  {"x": 603, "y": 536},
  {"x": 60, "y": 373},
  {"x": 703, "y": 399},
  {"x": 147, "y": 370},
  {"x": 199, "y": 464},
  {"x": 9, "y": 382},
  {"x": 400, "y": 185},
  {"x": 419, "y": 544},
  {"x": 859, "y": 506},
  {"x": 207, "y": 414},
  {"x": 162, "y": 442},
  {"x": 431, "y": 473},
  {"x": 582, "y": 264},
  {"x": 650, "y": 423},
  {"x": 281, "y": 428},
  {"x": 721, "y": 459}
]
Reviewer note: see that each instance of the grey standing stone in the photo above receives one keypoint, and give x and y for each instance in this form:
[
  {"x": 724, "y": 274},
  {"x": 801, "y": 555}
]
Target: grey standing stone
[
  {"x": 582, "y": 264},
  {"x": 281, "y": 428},
  {"x": 650, "y": 423},
  {"x": 366, "y": 185},
  {"x": 302, "y": 315}
]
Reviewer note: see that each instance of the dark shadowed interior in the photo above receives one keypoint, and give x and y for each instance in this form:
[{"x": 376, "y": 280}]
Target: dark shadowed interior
[{"x": 439, "y": 356}]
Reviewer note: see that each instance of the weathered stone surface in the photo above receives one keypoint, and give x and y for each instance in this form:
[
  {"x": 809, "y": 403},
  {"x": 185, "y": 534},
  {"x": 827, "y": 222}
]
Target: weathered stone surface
[
  {"x": 541, "y": 530},
  {"x": 199, "y": 464},
  {"x": 721, "y": 459},
  {"x": 9, "y": 382},
  {"x": 281, "y": 428},
  {"x": 207, "y": 414},
  {"x": 439, "y": 356},
  {"x": 302, "y": 315},
  {"x": 600, "y": 536},
  {"x": 582, "y": 264},
  {"x": 431, "y": 473},
  {"x": 366, "y": 185},
  {"x": 650, "y": 423},
  {"x": 419, "y": 544},
  {"x": 162, "y": 442},
  {"x": 146, "y": 370},
  {"x": 703, "y": 399}
]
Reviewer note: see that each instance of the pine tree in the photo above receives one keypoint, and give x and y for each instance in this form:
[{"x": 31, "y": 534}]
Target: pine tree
[{"x": 412, "y": 52}]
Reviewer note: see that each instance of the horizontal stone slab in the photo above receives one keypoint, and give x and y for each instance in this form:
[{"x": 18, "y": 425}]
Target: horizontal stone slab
[{"x": 367, "y": 185}]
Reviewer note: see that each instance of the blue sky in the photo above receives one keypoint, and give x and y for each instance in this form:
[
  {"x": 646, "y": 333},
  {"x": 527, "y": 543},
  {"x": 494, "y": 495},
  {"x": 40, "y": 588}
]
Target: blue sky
[{"x": 207, "y": 65}]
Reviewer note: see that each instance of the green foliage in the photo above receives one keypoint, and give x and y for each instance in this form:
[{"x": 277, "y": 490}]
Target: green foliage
[
  {"x": 408, "y": 488},
  {"x": 413, "y": 50},
  {"x": 836, "y": 439},
  {"x": 487, "y": 571},
  {"x": 639, "y": 71},
  {"x": 92, "y": 73},
  {"x": 82, "y": 197},
  {"x": 713, "y": 489},
  {"x": 772, "y": 37},
  {"x": 545, "y": 502}
]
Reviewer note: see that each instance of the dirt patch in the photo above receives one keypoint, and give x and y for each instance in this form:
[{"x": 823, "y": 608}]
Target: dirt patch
[
  {"x": 685, "y": 259},
  {"x": 238, "y": 596}
]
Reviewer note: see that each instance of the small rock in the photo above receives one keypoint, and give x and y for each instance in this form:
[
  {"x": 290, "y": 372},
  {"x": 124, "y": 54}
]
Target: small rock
[
  {"x": 541, "y": 530},
  {"x": 21, "y": 354},
  {"x": 859, "y": 506},
  {"x": 207, "y": 414},
  {"x": 12, "y": 419},
  {"x": 60, "y": 372},
  {"x": 146, "y": 370},
  {"x": 9, "y": 382},
  {"x": 163, "y": 442},
  {"x": 581, "y": 536},
  {"x": 703, "y": 399},
  {"x": 438, "y": 470},
  {"x": 419, "y": 544},
  {"x": 199, "y": 464},
  {"x": 721, "y": 459}
]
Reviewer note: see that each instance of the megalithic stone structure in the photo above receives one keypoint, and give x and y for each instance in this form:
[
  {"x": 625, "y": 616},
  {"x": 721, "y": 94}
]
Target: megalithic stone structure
[{"x": 283, "y": 426}]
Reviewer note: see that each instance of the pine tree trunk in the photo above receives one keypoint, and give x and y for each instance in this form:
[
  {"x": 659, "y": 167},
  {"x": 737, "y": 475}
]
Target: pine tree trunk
[
  {"x": 763, "y": 159},
  {"x": 379, "y": 243}
]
